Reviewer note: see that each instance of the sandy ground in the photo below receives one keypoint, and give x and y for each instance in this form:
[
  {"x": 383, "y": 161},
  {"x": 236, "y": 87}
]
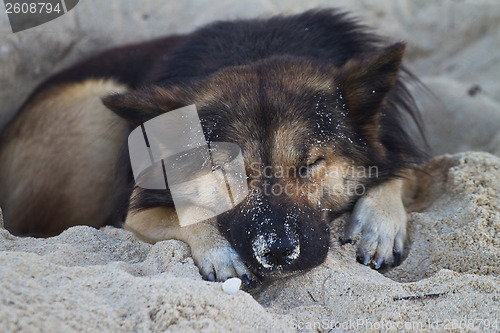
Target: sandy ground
[{"x": 107, "y": 280}]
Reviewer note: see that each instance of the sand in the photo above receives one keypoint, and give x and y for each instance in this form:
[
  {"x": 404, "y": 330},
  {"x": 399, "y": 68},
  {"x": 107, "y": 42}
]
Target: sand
[
  {"x": 87, "y": 279},
  {"x": 107, "y": 280}
]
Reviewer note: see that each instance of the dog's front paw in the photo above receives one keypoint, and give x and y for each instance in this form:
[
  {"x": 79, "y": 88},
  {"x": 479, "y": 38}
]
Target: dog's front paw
[
  {"x": 381, "y": 219},
  {"x": 221, "y": 262}
]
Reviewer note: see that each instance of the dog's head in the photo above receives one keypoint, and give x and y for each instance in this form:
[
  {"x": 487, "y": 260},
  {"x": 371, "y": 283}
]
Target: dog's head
[{"x": 312, "y": 140}]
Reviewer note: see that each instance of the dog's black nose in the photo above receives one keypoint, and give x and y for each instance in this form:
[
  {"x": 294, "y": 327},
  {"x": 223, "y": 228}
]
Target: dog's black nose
[
  {"x": 281, "y": 252},
  {"x": 276, "y": 252}
]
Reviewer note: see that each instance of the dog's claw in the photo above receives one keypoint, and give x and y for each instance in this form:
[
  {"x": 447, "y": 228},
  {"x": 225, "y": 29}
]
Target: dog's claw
[
  {"x": 211, "y": 277},
  {"x": 363, "y": 259},
  {"x": 246, "y": 280},
  {"x": 345, "y": 241},
  {"x": 250, "y": 283},
  {"x": 397, "y": 258},
  {"x": 379, "y": 263}
]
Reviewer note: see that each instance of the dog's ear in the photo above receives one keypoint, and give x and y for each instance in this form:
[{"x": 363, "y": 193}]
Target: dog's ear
[
  {"x": 365, "y": 82},
  {"x": 138, "y": 106}
]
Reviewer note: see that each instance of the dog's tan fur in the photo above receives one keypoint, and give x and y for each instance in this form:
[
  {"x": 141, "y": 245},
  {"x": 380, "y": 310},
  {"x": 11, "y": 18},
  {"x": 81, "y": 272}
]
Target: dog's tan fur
[
  {"x": 209, "y": 249},
  {"x": 38, "y": 163}
]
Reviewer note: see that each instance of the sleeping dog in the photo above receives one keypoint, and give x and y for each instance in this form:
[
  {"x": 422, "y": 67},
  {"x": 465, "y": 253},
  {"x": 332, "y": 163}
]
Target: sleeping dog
[{"x": 314, "y": 101}]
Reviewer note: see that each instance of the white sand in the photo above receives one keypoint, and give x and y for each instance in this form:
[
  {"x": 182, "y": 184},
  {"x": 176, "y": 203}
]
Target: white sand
[
  {"x": 87, "y": 279},
  {"x": 106, "y": 280}
]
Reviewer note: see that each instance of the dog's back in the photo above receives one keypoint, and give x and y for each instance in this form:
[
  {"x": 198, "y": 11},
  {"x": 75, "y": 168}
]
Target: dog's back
[
  {"x": 60, "y": 156},
  {"x": 323, "y": 36}
]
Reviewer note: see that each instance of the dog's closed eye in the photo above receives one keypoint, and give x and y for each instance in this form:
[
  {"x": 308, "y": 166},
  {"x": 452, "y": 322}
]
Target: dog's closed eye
[{"x": 305, "y": 170}]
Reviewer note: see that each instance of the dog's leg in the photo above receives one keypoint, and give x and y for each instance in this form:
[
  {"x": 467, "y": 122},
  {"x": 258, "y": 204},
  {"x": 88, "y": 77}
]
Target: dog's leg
[
  {"x": 381, "y": 218},
  {"x": 212, "y": 253}
]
